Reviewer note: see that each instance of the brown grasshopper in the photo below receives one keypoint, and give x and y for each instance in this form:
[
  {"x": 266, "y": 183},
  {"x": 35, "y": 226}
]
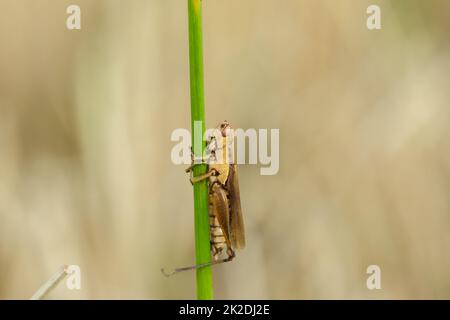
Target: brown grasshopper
[{"x": 225, "y": 214}]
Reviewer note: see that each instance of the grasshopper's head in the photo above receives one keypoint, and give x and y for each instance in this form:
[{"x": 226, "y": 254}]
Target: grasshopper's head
[
  {"x": 221, "y": 145},
  {"x": 224, "y": 128}
]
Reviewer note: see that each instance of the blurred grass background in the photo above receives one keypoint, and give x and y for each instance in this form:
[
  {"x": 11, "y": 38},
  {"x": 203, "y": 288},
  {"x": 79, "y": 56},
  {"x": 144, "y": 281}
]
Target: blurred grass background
[{"x": 85, "y": 123}]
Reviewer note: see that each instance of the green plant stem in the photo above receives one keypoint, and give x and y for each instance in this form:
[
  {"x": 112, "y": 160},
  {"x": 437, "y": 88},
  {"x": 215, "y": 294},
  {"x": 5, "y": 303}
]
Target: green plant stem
[{"x": 202, "y": 244}]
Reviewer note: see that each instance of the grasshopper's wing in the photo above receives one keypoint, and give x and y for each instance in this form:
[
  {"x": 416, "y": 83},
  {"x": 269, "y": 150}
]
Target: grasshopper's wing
[
  {"x": 219, "y": 203},
  {"x": 237, "y": 232}
]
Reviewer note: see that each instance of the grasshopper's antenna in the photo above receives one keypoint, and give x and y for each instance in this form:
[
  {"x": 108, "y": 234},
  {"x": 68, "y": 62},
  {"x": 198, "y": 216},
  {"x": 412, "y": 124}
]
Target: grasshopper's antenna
[{"x": 197, "y": 266}]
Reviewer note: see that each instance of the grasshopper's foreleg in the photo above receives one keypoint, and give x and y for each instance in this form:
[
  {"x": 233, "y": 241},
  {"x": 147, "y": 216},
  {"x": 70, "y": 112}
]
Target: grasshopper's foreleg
[
  {"x": 191, "y": 167},
  {"x": 202, "y": 177},
  {"x": 194, "y": 161},
  {"x": 204, "y": 160}
]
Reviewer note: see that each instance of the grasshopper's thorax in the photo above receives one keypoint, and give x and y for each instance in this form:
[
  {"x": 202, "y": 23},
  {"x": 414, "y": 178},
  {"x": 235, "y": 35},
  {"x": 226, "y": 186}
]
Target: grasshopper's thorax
[{"x": 223, "y": 171}]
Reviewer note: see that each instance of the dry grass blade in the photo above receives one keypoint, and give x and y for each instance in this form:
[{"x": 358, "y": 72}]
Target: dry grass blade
[{"x": 50, "y": 283}]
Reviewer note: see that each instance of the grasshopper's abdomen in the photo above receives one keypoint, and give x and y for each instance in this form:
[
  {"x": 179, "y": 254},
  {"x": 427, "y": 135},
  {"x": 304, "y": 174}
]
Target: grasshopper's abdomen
[{"x": 218, "y": 242}]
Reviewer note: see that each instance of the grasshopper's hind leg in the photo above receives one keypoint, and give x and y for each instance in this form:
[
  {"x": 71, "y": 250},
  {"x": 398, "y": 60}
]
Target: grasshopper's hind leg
[{"x": 231, "y": 255}]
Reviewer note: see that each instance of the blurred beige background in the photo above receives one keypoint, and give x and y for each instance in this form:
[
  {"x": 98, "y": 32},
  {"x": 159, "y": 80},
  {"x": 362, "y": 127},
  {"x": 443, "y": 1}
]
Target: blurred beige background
[{"x": 85, "y": 123}]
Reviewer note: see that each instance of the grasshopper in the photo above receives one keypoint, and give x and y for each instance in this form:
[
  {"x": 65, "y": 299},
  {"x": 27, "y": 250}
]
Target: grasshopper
[{"x": 225, "y": 213}]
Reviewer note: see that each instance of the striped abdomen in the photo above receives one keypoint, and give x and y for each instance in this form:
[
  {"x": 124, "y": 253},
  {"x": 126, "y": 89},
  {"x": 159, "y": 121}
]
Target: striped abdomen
[{"x": 218, "y": 241}]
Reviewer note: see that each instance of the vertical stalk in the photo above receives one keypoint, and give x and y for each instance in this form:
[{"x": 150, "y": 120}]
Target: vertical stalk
[{"x": 202, "y": 245}]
